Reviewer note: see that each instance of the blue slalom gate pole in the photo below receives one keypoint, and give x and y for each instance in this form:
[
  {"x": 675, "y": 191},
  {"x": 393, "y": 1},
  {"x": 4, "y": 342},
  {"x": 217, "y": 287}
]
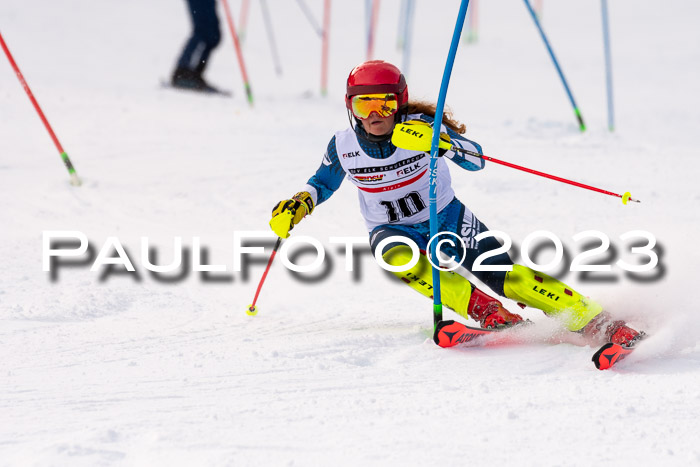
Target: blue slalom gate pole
[
  {"x": 582, "y": 126},
  {"x": 439, "y": 111},
  {"x": 608, "y": 65},
  {"x": 402, "y": 24}
]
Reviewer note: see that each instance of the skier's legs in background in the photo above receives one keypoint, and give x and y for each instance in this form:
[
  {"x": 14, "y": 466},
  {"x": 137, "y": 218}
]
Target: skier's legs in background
[{"x": 206, "y": 35}]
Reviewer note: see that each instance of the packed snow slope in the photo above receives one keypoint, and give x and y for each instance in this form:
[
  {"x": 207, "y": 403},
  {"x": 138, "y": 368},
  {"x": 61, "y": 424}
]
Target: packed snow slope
[{"x": 110, "y": 367}]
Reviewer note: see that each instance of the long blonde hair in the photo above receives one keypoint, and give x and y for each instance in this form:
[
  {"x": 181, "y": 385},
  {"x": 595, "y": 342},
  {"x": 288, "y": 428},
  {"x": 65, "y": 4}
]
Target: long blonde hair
[{"x": 428, "y": 108}]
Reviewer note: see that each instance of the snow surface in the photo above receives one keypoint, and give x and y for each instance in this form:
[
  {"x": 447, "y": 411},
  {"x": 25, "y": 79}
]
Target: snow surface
[{"x": 120, "y": 369}]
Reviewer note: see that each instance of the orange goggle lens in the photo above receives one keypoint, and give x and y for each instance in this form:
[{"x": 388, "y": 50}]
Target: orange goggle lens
[{"x": 385, "y": 105}]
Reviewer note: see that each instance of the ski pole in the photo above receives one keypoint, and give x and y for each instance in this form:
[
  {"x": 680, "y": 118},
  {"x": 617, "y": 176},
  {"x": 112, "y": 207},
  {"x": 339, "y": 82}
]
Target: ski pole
[
  {"x": 416, "y": 136},
  {"x": 237, "y": 46},
  {"x": 252, "y": 310},
  {"x": 74, "y": 180},
  {"x": 625, "y": 197},
  {"x": 577, "y": 112}
]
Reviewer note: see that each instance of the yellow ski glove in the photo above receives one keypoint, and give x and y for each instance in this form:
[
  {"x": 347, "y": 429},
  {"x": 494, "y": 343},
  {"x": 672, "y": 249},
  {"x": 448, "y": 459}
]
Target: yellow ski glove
[
  {"x": 289, "y": 212},
  {"x": 416, "y": 135}
]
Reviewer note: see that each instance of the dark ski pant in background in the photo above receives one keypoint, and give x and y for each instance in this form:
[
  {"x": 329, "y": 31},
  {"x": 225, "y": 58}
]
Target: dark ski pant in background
[{"x": 206, "y": 35}]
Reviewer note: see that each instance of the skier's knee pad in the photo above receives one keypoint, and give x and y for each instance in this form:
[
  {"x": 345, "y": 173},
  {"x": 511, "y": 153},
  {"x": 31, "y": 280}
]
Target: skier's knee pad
[
  {"x": 550, "y": 295},
  {"x": 455, "y": 290}
]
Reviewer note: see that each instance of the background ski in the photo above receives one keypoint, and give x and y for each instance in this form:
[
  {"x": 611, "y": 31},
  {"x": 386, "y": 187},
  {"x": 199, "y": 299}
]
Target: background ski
[{"x": 210, "y": 91}]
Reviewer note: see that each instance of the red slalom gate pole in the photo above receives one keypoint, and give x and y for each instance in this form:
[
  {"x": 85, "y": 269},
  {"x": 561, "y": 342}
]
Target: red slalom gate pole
[
  {"x": 538, "y": 8},
  {"x": 252, "y": 309},
  {"x": 237, "y": 45},
  {"x": 74, "y": 180},
  {"x": 243, "y": 20},
  {"x": 324, "y": 49},
  {"x": 473, "y": 24},
  {"x": 372, "y": 28}
]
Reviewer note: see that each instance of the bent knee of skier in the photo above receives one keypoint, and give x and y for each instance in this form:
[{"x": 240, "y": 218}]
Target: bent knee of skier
[
  {"x": 556, "y": 299},
  {"x": 493, "y": 279}
]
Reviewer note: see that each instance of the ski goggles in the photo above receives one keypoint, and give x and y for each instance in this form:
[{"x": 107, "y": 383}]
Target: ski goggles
[{"x": 384, "y": 104}]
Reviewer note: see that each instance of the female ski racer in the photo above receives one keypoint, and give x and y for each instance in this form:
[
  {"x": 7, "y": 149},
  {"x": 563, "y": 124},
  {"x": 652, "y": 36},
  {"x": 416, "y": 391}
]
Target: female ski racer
[{"x": 393, "y": 191}]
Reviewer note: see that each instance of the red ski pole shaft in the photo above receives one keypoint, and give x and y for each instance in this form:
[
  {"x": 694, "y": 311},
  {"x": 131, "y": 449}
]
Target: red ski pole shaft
[
  {"x": 625, "y": 197},
  {"x": 71, "y": 170},
  {"x": 252, "y": 310},
  {"x": 553, "y": 177},
  {"x": 237, "y": 46}
]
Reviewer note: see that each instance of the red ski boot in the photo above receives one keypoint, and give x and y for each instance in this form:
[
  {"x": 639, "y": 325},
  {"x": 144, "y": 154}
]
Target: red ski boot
[
  {"x": 490, "y": 312},
  {"x": 602, "y": 327},
  {"x": 622, "y": 334}
]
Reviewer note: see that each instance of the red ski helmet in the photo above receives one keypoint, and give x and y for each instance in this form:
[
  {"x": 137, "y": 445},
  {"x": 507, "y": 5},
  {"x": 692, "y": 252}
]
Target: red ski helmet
[{"x": 374, "y": 77}]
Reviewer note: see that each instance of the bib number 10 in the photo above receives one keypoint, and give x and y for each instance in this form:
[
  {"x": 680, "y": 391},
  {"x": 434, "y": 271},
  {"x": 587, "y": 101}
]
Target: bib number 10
[{"x": 408, "y": 206}]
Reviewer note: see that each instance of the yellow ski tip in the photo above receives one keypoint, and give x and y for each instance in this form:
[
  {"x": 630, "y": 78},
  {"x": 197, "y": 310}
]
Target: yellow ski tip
[{"x": 251, "y": 310}]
